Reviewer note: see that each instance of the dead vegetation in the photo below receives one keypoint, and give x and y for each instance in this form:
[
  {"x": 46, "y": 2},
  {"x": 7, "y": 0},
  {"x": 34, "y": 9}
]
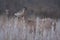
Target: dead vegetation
[{"x": 25, "y": 30}]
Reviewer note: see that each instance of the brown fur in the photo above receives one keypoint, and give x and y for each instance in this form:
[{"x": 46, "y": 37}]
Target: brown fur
[{"x": 46, "y": 24}]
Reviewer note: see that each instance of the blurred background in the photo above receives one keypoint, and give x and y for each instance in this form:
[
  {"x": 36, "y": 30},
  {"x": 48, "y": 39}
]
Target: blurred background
[
  {"x": 13, "y": 28},
  {"x": 48, "y": 8}
]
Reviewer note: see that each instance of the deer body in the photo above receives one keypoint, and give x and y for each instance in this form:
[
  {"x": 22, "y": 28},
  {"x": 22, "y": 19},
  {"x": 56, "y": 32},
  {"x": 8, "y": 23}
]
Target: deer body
[{"x": 46, "y": 25}]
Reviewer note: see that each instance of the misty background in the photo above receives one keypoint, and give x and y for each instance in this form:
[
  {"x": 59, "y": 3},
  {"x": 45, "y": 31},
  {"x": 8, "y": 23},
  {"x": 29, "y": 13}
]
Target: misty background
[{"x": 48, "y": 8}]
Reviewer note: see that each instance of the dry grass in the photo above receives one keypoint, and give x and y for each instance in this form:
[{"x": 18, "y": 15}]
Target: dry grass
[{"x": 17, "y": 29}]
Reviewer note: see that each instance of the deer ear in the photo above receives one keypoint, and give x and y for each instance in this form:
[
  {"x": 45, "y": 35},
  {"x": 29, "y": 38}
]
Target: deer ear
[{"x": 25, "y": 8}]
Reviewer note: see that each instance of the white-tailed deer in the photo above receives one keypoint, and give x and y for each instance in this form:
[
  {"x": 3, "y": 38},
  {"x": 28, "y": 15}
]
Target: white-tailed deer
[
  {"x": 46, "y": 25},
  {"x": 44, "y": 28}
]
